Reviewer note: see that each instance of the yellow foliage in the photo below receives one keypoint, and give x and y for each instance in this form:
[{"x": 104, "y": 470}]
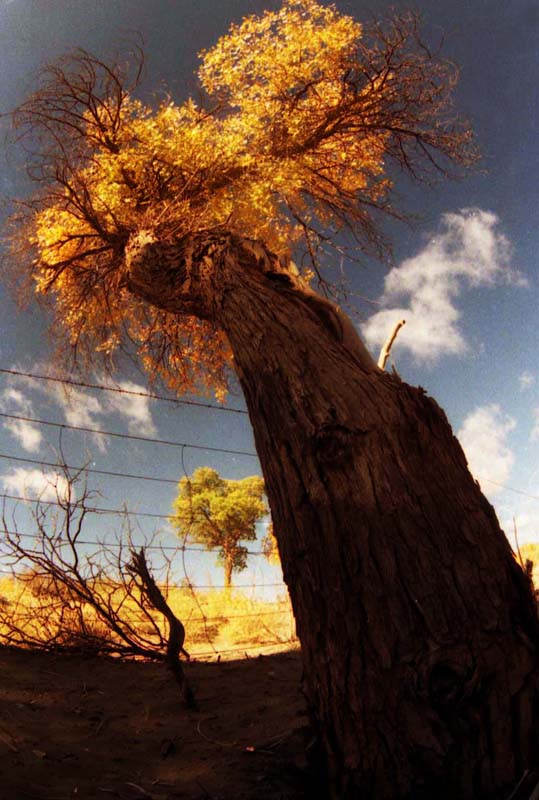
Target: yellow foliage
[
  {"x": 530, "y": 552},
  {"x": 292, "y": 142},
  {"x": 215, "y": 621}
]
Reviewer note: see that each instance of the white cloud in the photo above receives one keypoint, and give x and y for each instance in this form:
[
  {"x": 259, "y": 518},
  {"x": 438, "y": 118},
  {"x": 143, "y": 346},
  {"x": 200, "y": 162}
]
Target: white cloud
[
  {"x": 78, "y": 406},
  {"x": 32, "y": 483},
  {"x": 469, "y": 251},
  {"x": 526, "y": 380},
  {"x": 535, "y": 429},
  {"x": 13, "y": 401},
  {"x": 483, "y": 437},
  {"x": 135, "y": 410},
  {"x": 11, "y": 395},
  {"x": 27, "y": 433}
]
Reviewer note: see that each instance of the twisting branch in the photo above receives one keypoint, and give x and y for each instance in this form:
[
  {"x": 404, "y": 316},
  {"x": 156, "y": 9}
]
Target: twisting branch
[
  {"x": 176, "y": 631},
  {"x": 78, "y": 106}
]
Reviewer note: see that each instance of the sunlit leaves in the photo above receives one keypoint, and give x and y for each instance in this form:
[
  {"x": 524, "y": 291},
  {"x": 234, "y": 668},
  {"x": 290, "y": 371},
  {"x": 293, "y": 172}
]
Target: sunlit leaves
[
  {"x": 268, "y": 65},
  {"x": 304, "y": 111}
]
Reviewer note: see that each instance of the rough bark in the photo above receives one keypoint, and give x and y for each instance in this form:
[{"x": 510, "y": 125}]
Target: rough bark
[{"x": 418, "y": 629}]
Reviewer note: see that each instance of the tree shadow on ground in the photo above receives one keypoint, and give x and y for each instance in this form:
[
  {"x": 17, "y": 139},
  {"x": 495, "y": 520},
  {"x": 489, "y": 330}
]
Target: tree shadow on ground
[{"x": 77, "y": 727}]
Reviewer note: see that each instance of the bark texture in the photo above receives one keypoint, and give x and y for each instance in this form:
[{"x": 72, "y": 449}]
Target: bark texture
[{"x": 419, "y": 632}]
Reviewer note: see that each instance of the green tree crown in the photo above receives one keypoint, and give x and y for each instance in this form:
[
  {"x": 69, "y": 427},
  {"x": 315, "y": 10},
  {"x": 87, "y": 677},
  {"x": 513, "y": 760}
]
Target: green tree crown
[{"x": 220, "y": 513}]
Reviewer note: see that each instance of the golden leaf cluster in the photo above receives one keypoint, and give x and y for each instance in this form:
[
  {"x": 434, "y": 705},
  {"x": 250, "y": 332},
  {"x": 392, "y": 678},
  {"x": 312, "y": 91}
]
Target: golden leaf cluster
[{"x": 289, "y": 147}]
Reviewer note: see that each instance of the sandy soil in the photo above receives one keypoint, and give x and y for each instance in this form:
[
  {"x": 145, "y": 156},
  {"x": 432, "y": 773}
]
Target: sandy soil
[{"x": 74, "y": 727}]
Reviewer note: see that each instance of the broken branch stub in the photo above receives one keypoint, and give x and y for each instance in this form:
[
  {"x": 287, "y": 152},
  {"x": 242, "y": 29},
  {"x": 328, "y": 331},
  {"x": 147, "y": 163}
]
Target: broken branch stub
[{"x": 386, "y": 349}]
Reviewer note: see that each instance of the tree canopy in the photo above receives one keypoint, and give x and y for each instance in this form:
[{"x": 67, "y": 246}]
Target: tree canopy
[
  {"x": 220, "y": 513},
  {"x": 304, "y": 112}
]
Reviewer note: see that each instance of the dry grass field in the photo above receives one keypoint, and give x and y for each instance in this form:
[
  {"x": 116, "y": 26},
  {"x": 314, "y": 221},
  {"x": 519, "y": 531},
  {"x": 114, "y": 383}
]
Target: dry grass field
[{"x": 223, "y": 622}]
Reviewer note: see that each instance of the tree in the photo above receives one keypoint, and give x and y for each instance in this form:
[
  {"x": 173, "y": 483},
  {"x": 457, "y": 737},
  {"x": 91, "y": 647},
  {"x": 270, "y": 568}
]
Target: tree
[
  {"x": 170, "y": 228},
  {"x": 217, "y": 512},
  {"x": 270, "y": 548}
]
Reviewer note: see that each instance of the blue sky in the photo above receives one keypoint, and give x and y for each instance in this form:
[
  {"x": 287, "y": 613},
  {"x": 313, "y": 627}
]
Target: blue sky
[{"x": 464, "y": 276}]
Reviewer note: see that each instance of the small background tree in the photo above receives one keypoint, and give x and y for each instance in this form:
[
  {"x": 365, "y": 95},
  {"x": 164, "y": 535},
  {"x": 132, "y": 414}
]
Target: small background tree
[
  {"x": 270, "y": 547},
  {"x": 217, "y": 512}
]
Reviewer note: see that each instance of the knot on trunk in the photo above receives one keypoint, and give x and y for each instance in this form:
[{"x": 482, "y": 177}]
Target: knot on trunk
[
  {"x": 334, "y": 443},
  {"x": 452, "y": 679},
  {"x": 192, "y": 274},
  {"x": 159, "y": 272},
  {"x": 445, "y": 684},
  {"x": 138, "y": 249}
]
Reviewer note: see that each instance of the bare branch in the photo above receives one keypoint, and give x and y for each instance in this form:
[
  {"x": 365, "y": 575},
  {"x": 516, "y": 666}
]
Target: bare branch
[{"x": 386, "y": 349}]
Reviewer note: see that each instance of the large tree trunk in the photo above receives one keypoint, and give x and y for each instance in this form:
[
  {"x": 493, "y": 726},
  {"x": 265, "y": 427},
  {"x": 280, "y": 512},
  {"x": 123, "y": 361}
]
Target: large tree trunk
[{"x": 418, "y": 629}]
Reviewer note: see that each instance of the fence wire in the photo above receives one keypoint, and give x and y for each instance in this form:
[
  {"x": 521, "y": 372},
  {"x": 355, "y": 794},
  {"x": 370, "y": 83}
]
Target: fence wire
[{"x": 216, "y": 611}]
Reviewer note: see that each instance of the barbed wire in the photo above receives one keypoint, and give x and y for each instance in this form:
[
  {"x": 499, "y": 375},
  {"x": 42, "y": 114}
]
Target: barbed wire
[
  {"x": 119, "y": 390},
  {"x": 177, "y": 401},
  {"x": 97, "y": 545},
  {"x": 286, "y": 611},
  {"x": 269, "y": 585},
  {"x": 247, "y": 647},
  {"x": 227, "y": 617},
  {"x": 165, "y": 548},
  {"x": 89, "y": 470},
  {"x": 95, "y": 510},
  {"x": 121, "y": 512},
  {"x": 100, "y": 432},
  {"x": 509, "y": 488},
  {"x": 175, "y": 549},
  {"x": 111, "y": 473}
]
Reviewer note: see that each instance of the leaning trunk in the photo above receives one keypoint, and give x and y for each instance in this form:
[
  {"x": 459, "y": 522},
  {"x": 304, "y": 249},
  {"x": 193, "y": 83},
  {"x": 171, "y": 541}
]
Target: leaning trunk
[{"x": 418, "y": 629}]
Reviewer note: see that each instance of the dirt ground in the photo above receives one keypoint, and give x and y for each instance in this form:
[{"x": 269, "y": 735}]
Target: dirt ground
[{"x": 75, "y": 727}]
